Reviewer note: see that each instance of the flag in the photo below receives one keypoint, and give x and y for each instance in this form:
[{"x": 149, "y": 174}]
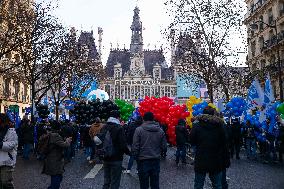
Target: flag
[
  {"x": 268, "y": 92},
  {"x": 255, "y": 96}
]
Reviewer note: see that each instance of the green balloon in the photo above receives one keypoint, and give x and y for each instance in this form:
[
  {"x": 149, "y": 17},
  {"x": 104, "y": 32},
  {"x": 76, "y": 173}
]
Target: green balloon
[
  {"x": 280, "y": 108},
  {"x": 282, "y": 116}
]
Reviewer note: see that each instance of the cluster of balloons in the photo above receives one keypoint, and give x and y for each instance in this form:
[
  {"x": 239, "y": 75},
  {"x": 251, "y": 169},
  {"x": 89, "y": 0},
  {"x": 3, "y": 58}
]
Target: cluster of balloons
[
  {"x": 126, "y": 109},
  {"x": 280, "y": 109},
  {"x": 158, "y": 106},
  {"x": 165, "y": 112},
  {"x": 236, "y": 106},
  {"x": 86, "y": 112},
  {"x": 193, "y": 100},
  {"x": 198, "y": 108},
  {"x": 175, "y": 113}
]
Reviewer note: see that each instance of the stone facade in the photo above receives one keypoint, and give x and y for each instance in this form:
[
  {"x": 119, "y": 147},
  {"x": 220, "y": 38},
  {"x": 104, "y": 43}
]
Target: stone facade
[
  {"x": 135, "y": 73},
  {"x": 14, "y": 90},
  {"x": 265, "y": 48}
]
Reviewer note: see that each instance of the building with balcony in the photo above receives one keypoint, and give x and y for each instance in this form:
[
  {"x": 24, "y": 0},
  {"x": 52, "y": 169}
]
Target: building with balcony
[
  {"x": 14, "y": 89},
  {"x": 265, "y": 27}
]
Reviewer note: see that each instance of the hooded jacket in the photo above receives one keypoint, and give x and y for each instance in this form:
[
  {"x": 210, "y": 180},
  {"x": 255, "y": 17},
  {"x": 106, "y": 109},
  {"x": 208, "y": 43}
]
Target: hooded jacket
[
  {"x": 8, "y": 152},
  {"x": 118, "y": 138},
  {"x": 209, "y": 137},
  {"x": 95, "y": 129},
  {"x": 182, "y": 135},
  {"x": 148, "y": 141},
  {"x": 54, "y": 162}
]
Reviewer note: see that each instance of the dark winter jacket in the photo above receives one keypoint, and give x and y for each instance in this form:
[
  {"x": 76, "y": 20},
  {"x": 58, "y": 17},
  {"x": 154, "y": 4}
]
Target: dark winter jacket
[
  {"x": 130, "y": 130},
  {"x": 27, "y": 133},
  {"x": 182, "y": 135},
  {"x": 149, "y": 141},
  {"x": 54, "y": 162},
  {"x": 118, "y": 138},
  {"x": 249, "y": 131},
  {"x": 209, "y": 137},
  {"x": 87, "y": 140},
  {"x": 226, "y": 154},
  {"x": 236, "y": 130},
  {"x": 281, "y": 136}
]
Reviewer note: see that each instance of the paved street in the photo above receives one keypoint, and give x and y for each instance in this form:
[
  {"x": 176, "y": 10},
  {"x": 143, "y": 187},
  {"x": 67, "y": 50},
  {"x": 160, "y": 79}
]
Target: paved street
[{"x": 243, "y": 174}]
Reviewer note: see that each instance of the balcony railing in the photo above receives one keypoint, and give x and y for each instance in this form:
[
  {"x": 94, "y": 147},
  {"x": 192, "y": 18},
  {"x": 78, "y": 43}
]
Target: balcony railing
[
  {"x": 273, "y": 41},
  {"x": 255, "y": 7}
]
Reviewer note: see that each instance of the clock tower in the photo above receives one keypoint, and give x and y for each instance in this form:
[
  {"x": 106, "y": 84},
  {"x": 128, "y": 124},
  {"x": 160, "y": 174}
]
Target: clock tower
[
  {"x": 137, "y": 67},
  {"x": 136, "y": 45}
]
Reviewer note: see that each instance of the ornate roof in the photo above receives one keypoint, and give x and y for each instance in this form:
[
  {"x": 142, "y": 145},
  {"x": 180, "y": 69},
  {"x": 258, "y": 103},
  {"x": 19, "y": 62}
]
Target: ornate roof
[
  {"x": 87, "y": 39},
  {"x": 151, "y": 57}
]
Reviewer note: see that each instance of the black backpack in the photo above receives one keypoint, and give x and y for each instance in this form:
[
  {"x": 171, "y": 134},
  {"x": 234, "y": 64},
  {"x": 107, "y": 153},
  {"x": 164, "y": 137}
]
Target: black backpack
[{"x": 106, "y": 149}]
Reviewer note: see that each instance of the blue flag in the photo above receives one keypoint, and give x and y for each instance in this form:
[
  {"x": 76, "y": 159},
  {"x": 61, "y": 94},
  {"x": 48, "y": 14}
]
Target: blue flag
[
  {"x": 268, "y": 92},
  {"x": 255, "y": 96}
]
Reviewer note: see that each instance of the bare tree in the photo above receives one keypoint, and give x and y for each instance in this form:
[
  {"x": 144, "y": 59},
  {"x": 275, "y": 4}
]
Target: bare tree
[
  {"x": 208, "y": 27},
  {"x": 76, "y": 71},
  {"x": 13, "y": 21},
  {"x": 39, "y": 53}
]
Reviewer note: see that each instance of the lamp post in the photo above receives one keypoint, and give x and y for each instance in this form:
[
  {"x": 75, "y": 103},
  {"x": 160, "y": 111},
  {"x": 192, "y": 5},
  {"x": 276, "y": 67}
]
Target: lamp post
[{"x": 254, "y": 27}]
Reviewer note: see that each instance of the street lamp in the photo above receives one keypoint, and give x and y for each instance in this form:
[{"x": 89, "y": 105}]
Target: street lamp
[{"x": 254, "y": 27}]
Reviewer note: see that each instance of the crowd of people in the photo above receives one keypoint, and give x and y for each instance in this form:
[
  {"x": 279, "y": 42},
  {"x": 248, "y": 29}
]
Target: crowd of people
[{"x": 213, "y": 141}]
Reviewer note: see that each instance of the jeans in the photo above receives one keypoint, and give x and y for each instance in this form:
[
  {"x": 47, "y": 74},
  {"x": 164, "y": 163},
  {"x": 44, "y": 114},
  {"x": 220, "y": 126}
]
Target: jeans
[
  {"x": 27, "y": 149},
  {"x": 6, "y": 177},
  {"x": 181, "y": 153},
  {"x": 235, "y": 147},
  {"x": 55, "y": 181},
  {"x": 251, "y": 147},
  {"x": 149, "y": 170},
  {"x": 112, "y": 174},
  {"x": 270, "y": 149},
  {"x": 216, "y": 179},
  {"x": 73, "y": 148},
  {"x": 224, "y": 179},
  {"x": 88, "y": 151},
  {"x": 130, "y": 162},
  {"x": 67, "y": 153}
]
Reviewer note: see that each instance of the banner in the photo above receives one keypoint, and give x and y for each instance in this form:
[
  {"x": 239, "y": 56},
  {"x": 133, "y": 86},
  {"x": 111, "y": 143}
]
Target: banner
[
  {"x": 268, "y": 92},
  {"x": 187, "y": 86},
  {"x": 255, "y": 96}
]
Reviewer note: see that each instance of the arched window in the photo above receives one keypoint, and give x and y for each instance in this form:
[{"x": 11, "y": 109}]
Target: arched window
[
  {"x": 17, "y": 89},
  {"x": 7, "y": 88}
]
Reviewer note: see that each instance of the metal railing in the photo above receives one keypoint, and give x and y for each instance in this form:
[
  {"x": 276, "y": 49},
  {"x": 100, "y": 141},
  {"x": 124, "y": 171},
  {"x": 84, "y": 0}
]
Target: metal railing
[{"x": 255, "y": 7}]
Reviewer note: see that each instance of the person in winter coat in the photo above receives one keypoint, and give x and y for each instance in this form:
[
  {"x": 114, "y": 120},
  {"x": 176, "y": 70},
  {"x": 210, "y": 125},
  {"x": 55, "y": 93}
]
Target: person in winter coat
[
  {"x": 94, "y": 130},
  {"x": 148, "y": 142},
  {"x": 249, "y": 134},
  {"x": 182, "y": 137},
  {"x": 129, "y": 134},
  {"x": 112, "y": 165},
  {"x": 87, "y": 141},
  {"x": 8, "y": 151},
  {"x": 54, "y": 161},
  {"x": 27, "y": 134},
  {"x": 209, "y": 137},
  {"x": 281, "y": 140},
  {"x": 226, "y": 155},
  {"x": 236, "y": 140},
  {"x": 67, "y": 132}
]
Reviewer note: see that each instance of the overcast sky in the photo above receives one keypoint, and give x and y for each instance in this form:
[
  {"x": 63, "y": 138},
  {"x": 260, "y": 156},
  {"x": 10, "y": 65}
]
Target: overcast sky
[{"x": 115, "y": 17}]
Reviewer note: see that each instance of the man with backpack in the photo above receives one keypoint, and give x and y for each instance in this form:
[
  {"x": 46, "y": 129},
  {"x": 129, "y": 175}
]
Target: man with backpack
[
  {"x": 112, "y": 145},
  {"x": 148, "y": 142},
  {"x": 53, "y": 149}
]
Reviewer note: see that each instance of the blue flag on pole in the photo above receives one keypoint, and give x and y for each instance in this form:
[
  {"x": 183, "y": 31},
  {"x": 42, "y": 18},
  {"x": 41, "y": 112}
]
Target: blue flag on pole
[
  {"x": 268, "y": 92},
  {"x": 255, "y": 95}
]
